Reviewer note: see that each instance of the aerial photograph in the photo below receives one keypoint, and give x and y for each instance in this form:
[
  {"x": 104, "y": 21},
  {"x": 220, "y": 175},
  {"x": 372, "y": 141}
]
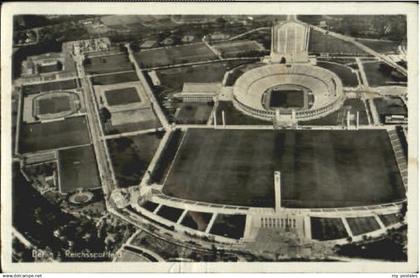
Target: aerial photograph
[{"x": 209, "y": 138}]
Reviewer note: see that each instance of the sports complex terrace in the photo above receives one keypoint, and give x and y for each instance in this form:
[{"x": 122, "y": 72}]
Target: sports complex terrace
[{"x": 319, "y": 168}]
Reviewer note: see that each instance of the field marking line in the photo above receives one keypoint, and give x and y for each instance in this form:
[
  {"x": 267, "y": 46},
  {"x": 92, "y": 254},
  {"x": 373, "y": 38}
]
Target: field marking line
[{"x": 175, "y": 158}]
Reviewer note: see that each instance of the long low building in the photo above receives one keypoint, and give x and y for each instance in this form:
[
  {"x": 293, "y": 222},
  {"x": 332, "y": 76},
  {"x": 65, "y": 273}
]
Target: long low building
[{"x": 199, "y": 92}]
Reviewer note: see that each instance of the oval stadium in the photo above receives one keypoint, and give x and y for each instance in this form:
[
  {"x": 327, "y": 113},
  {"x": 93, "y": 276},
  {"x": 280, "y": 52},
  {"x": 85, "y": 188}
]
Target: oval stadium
[{"x": 301, "y": 90}]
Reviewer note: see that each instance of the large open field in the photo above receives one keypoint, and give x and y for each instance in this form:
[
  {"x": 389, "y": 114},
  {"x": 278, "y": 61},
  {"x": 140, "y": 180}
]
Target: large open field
[
  {"x": 105, "y": 64},
  {"x": 122, "y": 96},
  {"x": 50, "y": 86},
  {"x": 78, "y": 169},
  {"x": 339, "y": 117},
  {"x": 58, "y": 134},
  {"x": 379, "y": 74},
  {"x": 324, "y": 43},
  {"x": 130, "y": 157},
  {"x": 319, "y": 168},
  {"x": 55, "y": 104},
  {"x": 175, "y": 55},
  {"x": 115, "y": 78},
  {"x": 241, "y": 48}
]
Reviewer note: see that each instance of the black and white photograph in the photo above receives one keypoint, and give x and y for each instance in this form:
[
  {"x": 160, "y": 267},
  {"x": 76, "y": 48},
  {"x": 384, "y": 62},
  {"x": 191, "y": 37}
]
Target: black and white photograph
[{"x": 163, "y": 137}]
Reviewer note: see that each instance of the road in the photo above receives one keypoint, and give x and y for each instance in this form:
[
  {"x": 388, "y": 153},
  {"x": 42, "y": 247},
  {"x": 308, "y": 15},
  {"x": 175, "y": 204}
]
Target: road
[
  {"x": 96, "y": 132},
  {"x": 156, "y": 106}
]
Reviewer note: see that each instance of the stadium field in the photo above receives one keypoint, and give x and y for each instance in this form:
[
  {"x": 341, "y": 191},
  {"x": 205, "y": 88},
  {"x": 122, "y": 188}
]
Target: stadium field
[
  {"x": 115, "y": 78},
  {"x": 50, "y": 86},
  {"x": 348, "y": 77},
  {"x": 122, "y": 96},
  {"x": 174, "y": 55},
  {"x": 286, "y": 98},
  {"x": 52, "y": 135},
  {"x": 78, "y": 169},
  {"x": 319, "y": 169},
  {"x": 105, "y": 64},
  {"x": 54, "y": 105},
  {"x": 324, "y": 43}
]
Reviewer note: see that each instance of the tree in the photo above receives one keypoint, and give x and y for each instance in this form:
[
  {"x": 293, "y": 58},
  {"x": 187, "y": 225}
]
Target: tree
[{"x": 104, "y": 114}]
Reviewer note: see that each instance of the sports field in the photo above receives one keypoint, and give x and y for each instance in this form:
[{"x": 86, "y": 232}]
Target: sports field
[
  {"x": 51, "y": 135},
  {"x": 319, "y": 168},
  {"x": 122, "y": 96},
  {"x": 54, "y": 105},
  {"x": 130, "y": 157},
  {"x": 50, "y": 86},
  {"x": 380, "y": 74},
  {"x": 324, "y": 43},
  {"x": 115, "y": 78},
  {"x": 241, "y": 48},
  {"x": 286, "y": 98},
  {"x": 175, "y": 55},
  {"x": 105, "y": 64},
  {"x": 78, "y": 169}
]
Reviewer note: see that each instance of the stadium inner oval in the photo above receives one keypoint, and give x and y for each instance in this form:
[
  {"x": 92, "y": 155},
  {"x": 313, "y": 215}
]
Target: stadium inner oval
[{"x": 300, "y": 91}]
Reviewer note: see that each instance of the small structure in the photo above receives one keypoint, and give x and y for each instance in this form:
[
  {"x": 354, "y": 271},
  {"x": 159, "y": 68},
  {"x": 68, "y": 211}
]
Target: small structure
[
  {"x": 155, "y": 78},
  {"x": 199, "y": 92},
  {"x": 148, "y": 44}
]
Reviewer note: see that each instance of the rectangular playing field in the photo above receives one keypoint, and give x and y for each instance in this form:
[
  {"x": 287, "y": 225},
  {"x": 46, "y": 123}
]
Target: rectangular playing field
[
  {"x": 175, "y": 55},
  {"x": 122, "y": 96},
  {"x": 51, "y": 135},
  {"x": 78, "y": 169},
  {"x": 54, "y": 105},
  {"x": 287, "y": 98},
  {"x": 319, "y": 168}
]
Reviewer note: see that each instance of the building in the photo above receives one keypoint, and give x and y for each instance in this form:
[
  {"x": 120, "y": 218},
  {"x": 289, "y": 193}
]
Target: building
[{"x": 199, "y": 92}]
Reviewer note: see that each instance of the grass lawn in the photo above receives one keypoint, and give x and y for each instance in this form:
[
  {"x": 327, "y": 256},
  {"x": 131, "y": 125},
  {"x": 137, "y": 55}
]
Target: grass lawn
[
  {"x": 362, "y": 225},
  {"x": 105, "y": 64},
  {"x": 236, "y": 117},
  {"x": 78, "y": 169},
  {"x": 229, "y": 225},
  {"x": 327, "y": 228},
  {"x": 130, "y": 157},
  {"x": 377, "y": 77},
  {"x": 122, "y": 96},
  {"x": 115, "y": 78},
  {"x": 390, "y": 219},
  {"x": 339, "y": 117},
  {"x": 324, "y": 43},
  {"x": 389, "y": 106},
  {"x": 381, "y": 46},
  {"x": 348, "y": 77},
  {"x": 174, "y": 55},
  {"x": 58, "y": 134},
  {"x": 196, "y": 220},
  {"x": 194, "y": 113},
  {"x": 50, "y": 86},
  {"x": 241, "y": 48},
  {"x": 286, "y": 98},
  {"x": 319, "y": 168},
  {"x": 53, "y": 105}
]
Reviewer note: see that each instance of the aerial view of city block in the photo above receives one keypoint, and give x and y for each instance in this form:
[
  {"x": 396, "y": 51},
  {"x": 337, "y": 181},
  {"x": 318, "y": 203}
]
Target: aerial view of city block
[{"x": 209, "y": 138}]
